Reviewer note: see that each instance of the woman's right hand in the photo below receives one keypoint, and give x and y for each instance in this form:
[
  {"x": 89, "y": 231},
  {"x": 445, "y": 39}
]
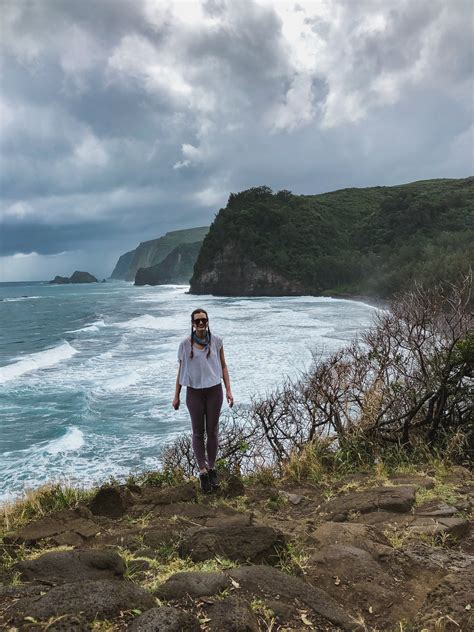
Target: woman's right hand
[{"x": 176, "y": 403}]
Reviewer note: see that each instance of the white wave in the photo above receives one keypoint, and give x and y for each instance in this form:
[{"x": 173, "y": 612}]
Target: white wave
[
  {"x": 95, "y": 326},
  {"x": 19, "y": 298},
  {"x": 73, "y": 439},
  {"x": 147, "y": 321},
  {"x": 37, "y": 361}
]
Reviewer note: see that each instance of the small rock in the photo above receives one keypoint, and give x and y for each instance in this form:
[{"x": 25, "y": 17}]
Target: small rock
[
  {"x": 294, "y": 499},
  {"x": 239, "y": 543},
  {"x": 165, "y": 619},
  {"x": 112, "y": 500},
  {"x": 72, "y": 566},
  {"x": 195, "y": 584},
  {"x": 232, "y": 614}
]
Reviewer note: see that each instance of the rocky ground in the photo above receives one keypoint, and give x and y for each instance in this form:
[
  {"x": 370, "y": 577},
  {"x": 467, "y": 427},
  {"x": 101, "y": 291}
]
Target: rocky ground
[{"x": 364, "y": 553}]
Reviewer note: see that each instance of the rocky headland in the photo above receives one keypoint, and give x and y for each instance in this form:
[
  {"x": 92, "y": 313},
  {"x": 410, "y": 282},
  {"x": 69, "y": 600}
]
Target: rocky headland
[
  {"x": 151, "y": 253},
  {"x": 177, "y": 267},
  {"x": 77, "y": 277},
  {"x": 370, "y": 242},
  {"x": 369, "y": 551}
]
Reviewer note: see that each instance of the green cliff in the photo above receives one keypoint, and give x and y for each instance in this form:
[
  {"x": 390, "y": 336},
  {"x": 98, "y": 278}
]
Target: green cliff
[
  {"x": 149, "y": 253},
  {"x": 373, "y": 241},
  {"x": 177, "y": 267}
]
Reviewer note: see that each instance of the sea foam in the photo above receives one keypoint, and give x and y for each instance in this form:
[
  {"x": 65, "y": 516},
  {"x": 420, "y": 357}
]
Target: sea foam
[
  {"x": 95, "y": 326},
  {"x": 72, "y": 439},
  {"x": 37, "y": 361},
  {"x": 147, "y": 321}
]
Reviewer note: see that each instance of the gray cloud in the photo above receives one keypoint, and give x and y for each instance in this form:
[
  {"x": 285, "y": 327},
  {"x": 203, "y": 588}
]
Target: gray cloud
[{"x": 122, "y": 120}]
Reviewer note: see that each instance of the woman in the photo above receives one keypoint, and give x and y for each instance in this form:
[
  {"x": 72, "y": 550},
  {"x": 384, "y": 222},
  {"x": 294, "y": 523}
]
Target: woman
[{"x": 202, "y": 366}]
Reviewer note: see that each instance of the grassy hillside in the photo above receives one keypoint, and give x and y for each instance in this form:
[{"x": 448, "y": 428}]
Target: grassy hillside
[{"x": 373, "y": 241}]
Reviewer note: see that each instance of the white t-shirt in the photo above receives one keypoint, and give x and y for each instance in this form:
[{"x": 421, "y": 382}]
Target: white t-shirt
[{"x": 200, "y": 371}]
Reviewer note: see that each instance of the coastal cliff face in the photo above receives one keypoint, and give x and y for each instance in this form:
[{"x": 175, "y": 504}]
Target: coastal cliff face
[
  {"x": 177, "y": 267},
  {"x": 233, "y": 274},
  {"x": 150, "y": 253},
  {"x": 373, "y": 242},
  {"x": 122, "y": 265}
]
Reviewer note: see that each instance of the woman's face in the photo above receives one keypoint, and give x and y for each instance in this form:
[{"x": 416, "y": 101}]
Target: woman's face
[{"x": 200, "y": 323}]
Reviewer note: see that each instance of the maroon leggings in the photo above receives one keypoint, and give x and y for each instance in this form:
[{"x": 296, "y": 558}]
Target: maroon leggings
[{"x": 204, "y": 405}]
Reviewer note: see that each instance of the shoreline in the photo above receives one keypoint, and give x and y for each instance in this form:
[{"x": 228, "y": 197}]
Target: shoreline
[{"x": 373, "y": 301}]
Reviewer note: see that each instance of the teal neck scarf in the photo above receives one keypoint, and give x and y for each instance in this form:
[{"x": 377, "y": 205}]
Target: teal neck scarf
[{"x": 202, "y": 341}]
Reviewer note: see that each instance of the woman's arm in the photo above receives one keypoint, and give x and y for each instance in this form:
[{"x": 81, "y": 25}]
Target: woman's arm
[
  {"x": 177, "y": 390},
  {"x": 225, "y": 375}
]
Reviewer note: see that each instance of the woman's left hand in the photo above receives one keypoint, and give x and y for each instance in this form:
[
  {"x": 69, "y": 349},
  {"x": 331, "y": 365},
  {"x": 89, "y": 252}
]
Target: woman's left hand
[{"x": 230, "y": 399}]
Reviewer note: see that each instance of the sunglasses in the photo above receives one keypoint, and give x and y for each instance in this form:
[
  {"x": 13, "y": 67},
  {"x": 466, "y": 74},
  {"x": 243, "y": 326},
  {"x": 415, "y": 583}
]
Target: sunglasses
[{"x": 200, "y": 321}]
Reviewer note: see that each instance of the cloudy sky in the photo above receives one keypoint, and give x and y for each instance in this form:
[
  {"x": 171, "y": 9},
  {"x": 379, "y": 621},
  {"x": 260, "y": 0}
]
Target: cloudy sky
[{"x": 124, "y": 119}]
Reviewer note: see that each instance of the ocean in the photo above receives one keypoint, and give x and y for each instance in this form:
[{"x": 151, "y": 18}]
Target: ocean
[{"x": 87, "y": 372}]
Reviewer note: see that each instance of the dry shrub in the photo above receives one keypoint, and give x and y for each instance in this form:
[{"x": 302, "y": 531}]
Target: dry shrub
[{"x": 406, "y": 383}]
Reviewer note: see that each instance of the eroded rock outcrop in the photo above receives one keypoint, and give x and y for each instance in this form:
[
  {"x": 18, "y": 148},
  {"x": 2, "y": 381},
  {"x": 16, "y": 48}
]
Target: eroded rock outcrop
[{"x": 232, "y": 273}]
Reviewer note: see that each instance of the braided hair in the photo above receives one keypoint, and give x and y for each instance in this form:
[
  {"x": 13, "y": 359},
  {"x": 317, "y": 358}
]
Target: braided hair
[{"x": 197, "y": 311}]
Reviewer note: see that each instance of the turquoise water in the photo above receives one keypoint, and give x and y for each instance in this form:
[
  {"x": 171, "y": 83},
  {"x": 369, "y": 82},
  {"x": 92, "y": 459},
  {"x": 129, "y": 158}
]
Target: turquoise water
[{"x": 87, "y": 372}]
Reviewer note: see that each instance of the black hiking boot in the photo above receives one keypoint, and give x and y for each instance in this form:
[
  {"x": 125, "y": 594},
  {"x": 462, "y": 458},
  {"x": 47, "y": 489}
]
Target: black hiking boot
[
  {"x": 205, "y": 483},
  {"x": 213, "y": 478}
]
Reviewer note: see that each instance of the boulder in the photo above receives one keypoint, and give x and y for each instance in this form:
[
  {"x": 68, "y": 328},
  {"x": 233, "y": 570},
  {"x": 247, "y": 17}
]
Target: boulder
[
  {"x": 68, "y": 526},
  {"x": 72, "y": 566},
  {"x": 91, "y": 598},
  {"x": 268, "y": 580},
  {"x": 354, "y": 534},
  {"x": 232, "y": 614},
  {"x": 438, "y": 527},
  {"x": 185, "y": 492},
  {"x": 365, "y": 583},
  {"x": 435, "y": 510},
  {"x": 436, "y": 559},
  {"x": 194, "y": 583},
  {"x": 112, "y": 501},
  {"x": 240, "y": 543},
  {"x": 398, "y": 499},
  {"x": 294, "y": 499},
  {"x": 165, "y": 619}
]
